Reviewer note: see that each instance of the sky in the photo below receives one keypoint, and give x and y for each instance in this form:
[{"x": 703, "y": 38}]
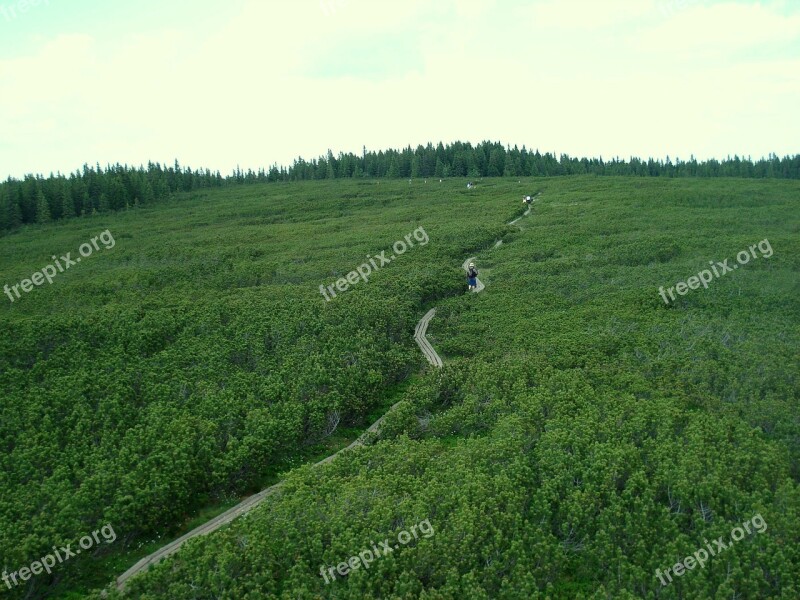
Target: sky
[{"x": 221, "y": 83}]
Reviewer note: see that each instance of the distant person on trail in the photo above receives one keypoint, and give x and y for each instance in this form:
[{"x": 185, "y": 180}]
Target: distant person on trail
[{"x": 472, "y": 276}]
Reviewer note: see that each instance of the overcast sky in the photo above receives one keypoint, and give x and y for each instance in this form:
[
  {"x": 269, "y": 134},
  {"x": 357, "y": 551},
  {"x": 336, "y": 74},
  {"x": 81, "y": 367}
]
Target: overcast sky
[{"x": 216, "y": 83}]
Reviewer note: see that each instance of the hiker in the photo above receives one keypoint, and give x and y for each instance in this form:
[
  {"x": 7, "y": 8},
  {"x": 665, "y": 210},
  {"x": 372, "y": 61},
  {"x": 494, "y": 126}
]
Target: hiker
[{"x": 472, "y": 276}]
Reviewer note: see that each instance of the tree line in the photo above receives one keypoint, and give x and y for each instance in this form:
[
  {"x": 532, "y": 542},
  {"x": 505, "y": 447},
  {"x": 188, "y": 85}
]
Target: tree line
[{"x": 36, "y": 199}]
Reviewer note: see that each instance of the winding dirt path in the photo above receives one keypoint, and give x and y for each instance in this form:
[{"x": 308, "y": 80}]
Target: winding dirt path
[
  {"x": 525, "y": 214},
  {"x": 249, "y": 503},
  {"x": 229, "y": 515},
  {"x": 419, "y": 333}
]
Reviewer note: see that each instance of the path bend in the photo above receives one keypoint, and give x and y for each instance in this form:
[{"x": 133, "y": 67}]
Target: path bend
[
  {"x": 419, "y": 336},
  {"x": 251, "y": 502},
  {"x": 419, "y": 333}
]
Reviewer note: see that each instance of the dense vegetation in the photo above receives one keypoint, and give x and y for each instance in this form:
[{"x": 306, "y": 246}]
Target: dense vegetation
[
  {"x": 581, "y": 435},
  {"x": 180, "y": 366},
  {"x": 36, "y": 199}
]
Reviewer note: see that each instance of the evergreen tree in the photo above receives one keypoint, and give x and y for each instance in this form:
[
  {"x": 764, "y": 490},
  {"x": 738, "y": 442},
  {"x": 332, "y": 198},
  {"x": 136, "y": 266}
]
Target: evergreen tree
[
  {"x": 394, "y": 169},
  {"x": 147, "y": 195},
  {"x": 43, "y": 214},
  {"x": 415, "y": 167},
  {"x": 5, "y": 209},
  {"x": 496, "y": 163},
  {"x": 513, "y": 167},
  {"x": 86, "y": 204},
  {"x": 14, "y": 213},
  {"x": 459, "y": 168},
  {"x": 28, "y": 198},
  {"x": 116, "y": 196},
  {"x": 122, "y": 185},
  {"x": 67, "y": 204}
]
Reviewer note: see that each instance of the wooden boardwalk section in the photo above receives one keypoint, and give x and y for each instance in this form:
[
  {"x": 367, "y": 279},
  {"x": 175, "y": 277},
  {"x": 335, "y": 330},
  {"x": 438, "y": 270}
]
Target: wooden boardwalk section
[{"x": 249, "y": 503}]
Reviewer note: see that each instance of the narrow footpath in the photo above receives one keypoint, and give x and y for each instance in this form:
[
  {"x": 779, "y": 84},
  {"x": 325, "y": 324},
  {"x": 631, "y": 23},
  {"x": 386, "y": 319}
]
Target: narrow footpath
[
  {"x": 422, "y": 327},
  {"x": 249, "y": 503}
]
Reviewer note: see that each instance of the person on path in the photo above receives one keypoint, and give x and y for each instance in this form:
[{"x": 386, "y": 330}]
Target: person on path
[{"x": 472, "y": 276}]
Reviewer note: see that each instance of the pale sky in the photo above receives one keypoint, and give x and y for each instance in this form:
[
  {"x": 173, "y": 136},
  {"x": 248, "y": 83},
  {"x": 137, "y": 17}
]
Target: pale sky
[{"x": 216, "y": 83}]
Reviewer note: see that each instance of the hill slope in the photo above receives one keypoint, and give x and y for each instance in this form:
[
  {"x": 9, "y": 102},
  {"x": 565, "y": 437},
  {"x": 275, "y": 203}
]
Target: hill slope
[{"x": 581, "y": 435}]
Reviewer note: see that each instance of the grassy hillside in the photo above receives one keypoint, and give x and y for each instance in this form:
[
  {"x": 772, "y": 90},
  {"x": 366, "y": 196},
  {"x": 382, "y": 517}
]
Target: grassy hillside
[{"x": 581, "y": 435}]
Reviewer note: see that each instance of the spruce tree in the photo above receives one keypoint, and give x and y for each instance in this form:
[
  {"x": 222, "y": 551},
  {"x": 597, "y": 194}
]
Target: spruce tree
[
  {"x": 394, "y": 169},
  {"x": 415, "y": 167},
  {"x": 67, "y": 204},
  {"x": 147, "y": 194},
  {"x": 43, "y": 214},
  {"x": 5, "y": 212},
  {"x": 14, "y": 212}
]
